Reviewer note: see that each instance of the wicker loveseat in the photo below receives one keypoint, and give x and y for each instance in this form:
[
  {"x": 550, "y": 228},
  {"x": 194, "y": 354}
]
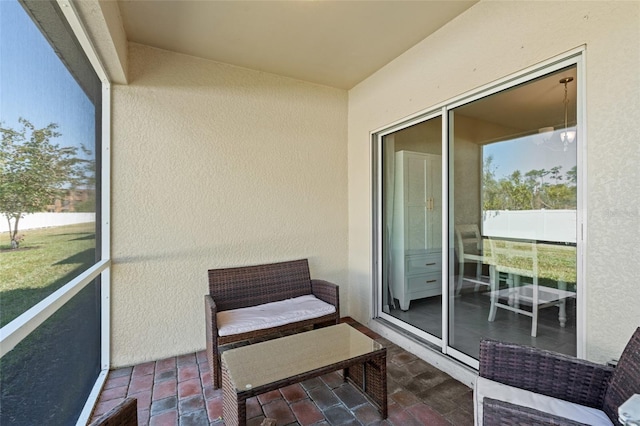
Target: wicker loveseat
[
  {"x": 547, "y": 388},
  {"x": 261, "y": 300}
]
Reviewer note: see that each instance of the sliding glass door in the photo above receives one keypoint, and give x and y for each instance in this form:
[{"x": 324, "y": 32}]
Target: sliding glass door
[
  {"x": 513, "y": 199},
  {"x": 412, "y": 223},
  {"x": 479, "y": 201}
]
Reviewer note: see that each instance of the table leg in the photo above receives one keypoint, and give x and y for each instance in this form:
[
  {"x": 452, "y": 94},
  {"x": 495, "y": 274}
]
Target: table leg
[
  {"x": 493, "y": 282},
  {"x": 562, "y": 308},
  {"x": 370, "y": 378},
  {"x": 234, "y": 408},
  {"x": 374, "y": 382},
  {"x": 514, "y": 288},
  {"x": 383, "y": 377}
]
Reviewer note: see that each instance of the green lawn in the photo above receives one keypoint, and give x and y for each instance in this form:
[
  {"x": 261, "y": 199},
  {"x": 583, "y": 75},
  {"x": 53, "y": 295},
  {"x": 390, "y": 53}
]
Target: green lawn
[
  {"x": 46, "y": 260},
  {"x": 556, "y": 262}
]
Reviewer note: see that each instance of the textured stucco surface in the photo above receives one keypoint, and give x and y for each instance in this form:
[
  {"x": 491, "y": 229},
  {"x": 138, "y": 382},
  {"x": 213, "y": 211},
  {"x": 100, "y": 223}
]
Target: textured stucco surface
[
  {"x": 216, "y": 166},
  {"x": 488, "y": 42}
]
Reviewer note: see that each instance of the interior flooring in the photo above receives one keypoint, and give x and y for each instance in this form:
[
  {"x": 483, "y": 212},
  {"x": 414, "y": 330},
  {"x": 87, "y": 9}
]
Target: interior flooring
[{"x": 470, "y": 314}]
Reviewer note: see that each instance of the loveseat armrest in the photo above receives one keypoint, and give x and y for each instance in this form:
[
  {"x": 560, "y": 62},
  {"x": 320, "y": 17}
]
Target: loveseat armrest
[
  {"x": 211, "y": 325},
  {"x": 545, "y": 372},
  {"x": 211, "y": 311},
  {"x": 327, "y": 292},
  {"x": 495, "y": 412}
]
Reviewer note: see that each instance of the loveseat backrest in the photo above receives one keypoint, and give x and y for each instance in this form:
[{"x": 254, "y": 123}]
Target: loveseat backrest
[
  {"x": 240, "y": 287},
  {"x": 626, "y": 378}
]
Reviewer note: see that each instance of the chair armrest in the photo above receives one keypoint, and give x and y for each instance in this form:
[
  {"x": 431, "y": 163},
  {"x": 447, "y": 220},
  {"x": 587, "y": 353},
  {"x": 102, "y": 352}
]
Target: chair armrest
[
  {"x": 496, "y": 412},
  {"x": 545, "y": 372},
  {"x": 328, "y": 292},
  {"x": 211, "y": 334},
  {"x": 210, "y": 311}
]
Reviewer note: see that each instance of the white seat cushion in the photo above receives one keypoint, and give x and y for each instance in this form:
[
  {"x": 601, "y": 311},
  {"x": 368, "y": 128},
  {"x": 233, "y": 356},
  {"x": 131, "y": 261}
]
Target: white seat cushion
[
  {"x": 272, "y": 314},
  {"x": 569, "y": 410}
]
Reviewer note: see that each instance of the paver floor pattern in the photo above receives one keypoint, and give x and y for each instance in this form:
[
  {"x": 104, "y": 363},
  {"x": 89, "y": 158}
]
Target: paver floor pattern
[{"x": 178, "y": 391}]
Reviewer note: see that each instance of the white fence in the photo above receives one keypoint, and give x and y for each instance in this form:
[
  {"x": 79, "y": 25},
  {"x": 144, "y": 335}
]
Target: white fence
[
  {"x": 543, "y": 225},
  {"x": 47, "y": 220}
]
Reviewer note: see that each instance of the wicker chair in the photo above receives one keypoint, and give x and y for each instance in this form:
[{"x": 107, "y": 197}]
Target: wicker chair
[
  {"x": 559, "y": 376},
  {"x": 123, "y": 414},
  {"x": 233, "y": 288}
]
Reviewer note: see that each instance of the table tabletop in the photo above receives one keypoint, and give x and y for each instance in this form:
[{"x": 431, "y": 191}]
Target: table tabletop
[{"x": 274, "y": 360}]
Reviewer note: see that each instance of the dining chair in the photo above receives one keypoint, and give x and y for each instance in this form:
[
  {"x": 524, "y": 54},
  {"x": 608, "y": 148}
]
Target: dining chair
[
  {"x": 516, "y": 263},
  {"x": 469, "y": 250}
]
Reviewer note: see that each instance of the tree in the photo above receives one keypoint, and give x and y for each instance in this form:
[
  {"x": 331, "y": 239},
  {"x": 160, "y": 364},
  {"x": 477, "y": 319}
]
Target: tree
[
  {"x": 33, "y": 171},
  {"x": 572, "y": 175},
  {"x": 520, "y": 191},
  {"x": 491, "y": 191},
  {"x": 533, "y": 191}
]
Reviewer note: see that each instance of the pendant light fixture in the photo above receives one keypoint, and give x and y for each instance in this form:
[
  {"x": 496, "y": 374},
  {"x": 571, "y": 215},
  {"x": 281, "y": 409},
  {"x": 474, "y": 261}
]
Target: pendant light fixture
[{"x": 566, "y": 136}]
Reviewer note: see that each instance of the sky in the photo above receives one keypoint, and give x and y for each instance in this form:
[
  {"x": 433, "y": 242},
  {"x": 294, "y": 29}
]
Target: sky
[
  {"x": 528, "y": 153},
  {"x": 35, "y": 84}
]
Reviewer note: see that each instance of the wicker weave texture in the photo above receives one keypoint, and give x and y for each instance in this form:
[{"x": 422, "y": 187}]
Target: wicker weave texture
[
  {"x": 545, "y": 372},
  {"x": 234, "y": 409},
  {"x": 371, "y": 378},
  {"x": 233, "y": 288},
  {"x": 123, "y": 414},
  {"x": 626, "y": 377},
  {"x": 502, "y": 413},
  {"x": 240, "y": 287},
  {"x": 559, "y": 376},
  {"x": 211, "y": 330},
  {"x": 326, "y": 291}
]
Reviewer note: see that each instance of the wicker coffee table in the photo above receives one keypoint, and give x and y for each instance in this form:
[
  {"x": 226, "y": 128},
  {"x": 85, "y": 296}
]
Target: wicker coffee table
[{"x": 262, "y": 367}]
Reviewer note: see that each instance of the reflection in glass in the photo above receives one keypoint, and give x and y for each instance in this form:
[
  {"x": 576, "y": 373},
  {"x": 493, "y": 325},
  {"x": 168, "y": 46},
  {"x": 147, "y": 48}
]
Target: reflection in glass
[
  {"x": 412, "y": 223},
  {"x": 513, "y": 188}
]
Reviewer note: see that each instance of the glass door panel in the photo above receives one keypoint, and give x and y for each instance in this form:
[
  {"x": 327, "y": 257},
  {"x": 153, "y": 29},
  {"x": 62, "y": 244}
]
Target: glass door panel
[
  {"x": 512, "y": 223},
  {"x": 412, "y": 225}
]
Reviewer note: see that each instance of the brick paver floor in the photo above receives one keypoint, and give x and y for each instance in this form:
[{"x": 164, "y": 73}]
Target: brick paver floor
[{"x": 178, "y": 391}]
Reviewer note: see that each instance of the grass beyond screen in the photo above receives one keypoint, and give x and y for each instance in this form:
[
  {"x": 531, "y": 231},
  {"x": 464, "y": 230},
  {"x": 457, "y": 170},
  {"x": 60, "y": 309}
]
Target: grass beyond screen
[{"x": 46, "y": 260}]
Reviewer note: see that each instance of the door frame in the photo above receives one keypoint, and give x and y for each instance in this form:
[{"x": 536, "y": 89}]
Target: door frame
[{"x": 575, "y": 57}]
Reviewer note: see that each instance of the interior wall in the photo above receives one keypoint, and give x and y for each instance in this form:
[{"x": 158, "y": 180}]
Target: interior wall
[
  {"x": 467, "y": 163},
  {"x": 423, "y": 137},
  {"x": 469, "y": 134},
  {"x": 216, "y": 166},
  {"x": 492, "y": 40}
]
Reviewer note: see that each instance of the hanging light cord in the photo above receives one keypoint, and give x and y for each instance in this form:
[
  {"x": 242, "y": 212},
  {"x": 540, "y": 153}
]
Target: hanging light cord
[
  {"x": 567, "y": 136},
  {"x": 566, "y": 101}
]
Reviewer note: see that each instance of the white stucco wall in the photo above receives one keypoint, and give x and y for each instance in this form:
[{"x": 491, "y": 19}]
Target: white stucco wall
[
  {"x": 488, "y": 42},
  {"x": 216, "y": 166}
]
